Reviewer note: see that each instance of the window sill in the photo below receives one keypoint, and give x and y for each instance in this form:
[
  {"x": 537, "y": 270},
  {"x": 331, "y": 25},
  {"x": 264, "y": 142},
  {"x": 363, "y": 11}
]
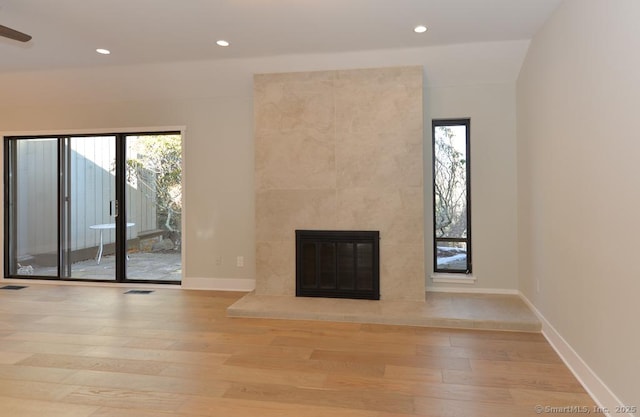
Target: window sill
[{"x": 453, "y": 278}]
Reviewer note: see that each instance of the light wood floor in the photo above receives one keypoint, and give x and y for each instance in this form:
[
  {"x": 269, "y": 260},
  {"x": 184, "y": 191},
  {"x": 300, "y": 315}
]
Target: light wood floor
[{"x": 91, "y": 351}]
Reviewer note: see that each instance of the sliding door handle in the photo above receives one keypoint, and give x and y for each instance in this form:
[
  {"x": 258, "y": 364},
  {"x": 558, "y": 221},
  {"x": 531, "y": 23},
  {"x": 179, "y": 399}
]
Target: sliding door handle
[{"x": 113, "y": 208}]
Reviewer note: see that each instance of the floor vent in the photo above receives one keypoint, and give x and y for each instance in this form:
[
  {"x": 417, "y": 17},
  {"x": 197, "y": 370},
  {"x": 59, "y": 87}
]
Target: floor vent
[
  {"x": 139, "y": 292},
  {"x": 12, "y": 287}
]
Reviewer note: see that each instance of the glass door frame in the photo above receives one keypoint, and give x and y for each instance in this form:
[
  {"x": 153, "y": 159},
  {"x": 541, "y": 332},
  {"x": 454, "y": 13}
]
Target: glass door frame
[{"x": 63, "y": 162}]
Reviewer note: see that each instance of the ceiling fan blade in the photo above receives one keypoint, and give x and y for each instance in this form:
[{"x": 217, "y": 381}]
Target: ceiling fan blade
[{"x": 14, "y": 34}]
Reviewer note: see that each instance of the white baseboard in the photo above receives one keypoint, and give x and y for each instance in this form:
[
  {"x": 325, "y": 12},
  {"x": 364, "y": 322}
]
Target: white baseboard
[
  {"x": 218, "y": 284},
  {"x": 596, "y": 388},
  {"x": 463, "y": 290}
]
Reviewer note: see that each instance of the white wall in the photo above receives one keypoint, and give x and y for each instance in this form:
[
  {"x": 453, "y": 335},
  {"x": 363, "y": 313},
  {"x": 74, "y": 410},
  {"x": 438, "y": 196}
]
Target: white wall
[
  {"x": 578, "y": 100},
  {"x": 213, "y": 100}
]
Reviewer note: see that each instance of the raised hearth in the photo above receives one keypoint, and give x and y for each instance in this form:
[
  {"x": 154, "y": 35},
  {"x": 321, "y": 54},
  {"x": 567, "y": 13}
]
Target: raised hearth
[{"x": 456, "y": 310}]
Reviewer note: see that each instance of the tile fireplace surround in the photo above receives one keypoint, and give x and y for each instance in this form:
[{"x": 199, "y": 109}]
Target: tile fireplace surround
[{"x": 340, "y": 150}]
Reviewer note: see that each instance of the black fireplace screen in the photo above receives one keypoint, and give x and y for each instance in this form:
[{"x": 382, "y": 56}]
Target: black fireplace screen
[{"x": 340, "y": 264}]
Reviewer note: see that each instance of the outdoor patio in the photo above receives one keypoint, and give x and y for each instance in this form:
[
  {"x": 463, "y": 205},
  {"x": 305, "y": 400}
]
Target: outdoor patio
[{"x": 151, "y": 266}]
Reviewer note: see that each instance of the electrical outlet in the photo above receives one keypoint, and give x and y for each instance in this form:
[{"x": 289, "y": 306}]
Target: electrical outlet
[
  {"x": 218, "y": 260},
  {"x": 240, "y": 261},
  {"x": 537, "y": 285}
]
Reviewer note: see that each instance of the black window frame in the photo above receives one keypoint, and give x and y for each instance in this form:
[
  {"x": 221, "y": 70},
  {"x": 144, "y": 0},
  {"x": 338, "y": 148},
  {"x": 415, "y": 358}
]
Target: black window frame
[{"x": 466, "y": 122}]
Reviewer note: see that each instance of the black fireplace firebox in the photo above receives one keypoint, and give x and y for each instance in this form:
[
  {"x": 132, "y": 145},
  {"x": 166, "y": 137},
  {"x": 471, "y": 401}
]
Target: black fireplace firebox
[{"x": 338, "y": 264}]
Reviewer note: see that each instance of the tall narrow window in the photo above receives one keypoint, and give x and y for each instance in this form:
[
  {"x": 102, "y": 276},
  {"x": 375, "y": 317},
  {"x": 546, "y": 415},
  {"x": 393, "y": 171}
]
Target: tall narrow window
[{"x": 451, "y": 196}]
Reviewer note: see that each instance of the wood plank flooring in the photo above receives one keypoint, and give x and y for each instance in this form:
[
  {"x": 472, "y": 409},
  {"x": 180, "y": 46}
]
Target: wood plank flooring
[{"x": 74, "y": 351}]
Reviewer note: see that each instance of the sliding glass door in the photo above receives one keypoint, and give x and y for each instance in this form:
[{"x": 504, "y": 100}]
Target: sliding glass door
[
  {"x": 87, "y": 207},
  {"x": 153, "y": 166},
  {"x": 31, "y": 207}
]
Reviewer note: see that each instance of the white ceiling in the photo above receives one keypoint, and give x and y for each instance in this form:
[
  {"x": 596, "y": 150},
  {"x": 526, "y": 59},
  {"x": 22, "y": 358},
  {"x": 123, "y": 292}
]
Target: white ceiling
[{"x": 67, "y": 32}]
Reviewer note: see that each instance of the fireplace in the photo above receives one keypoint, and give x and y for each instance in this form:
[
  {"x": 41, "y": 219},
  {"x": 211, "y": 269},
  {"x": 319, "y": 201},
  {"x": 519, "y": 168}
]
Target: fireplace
[
  {"x": 340, "y": 150},
  {"x": 338, "y": 264}
]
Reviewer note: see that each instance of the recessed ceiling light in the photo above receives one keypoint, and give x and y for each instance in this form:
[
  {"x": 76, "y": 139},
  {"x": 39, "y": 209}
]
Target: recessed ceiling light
[
  {"x": 103, "y": 51},
  {"x": 420, "y": 29},
  {"x": 222, "y": 42}
]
